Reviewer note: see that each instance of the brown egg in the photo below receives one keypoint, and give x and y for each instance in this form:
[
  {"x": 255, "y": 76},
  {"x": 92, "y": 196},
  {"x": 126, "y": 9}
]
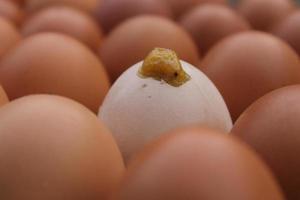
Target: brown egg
[
  {"x": 54, "y": 148},
  {"x": 289, "y": 30},
  {"x": 263, "y": 14},
  {"x": 248, "y": 65},
  {"x": 131, "y": 41},
  {"x": 85, "y": 5},
  {"x": 209, "y": 23},
  {"x": 68, "y": 21},
  {"x": 11, "y": 11},
  {"x": 9, "y": 36},
  {"x": 180, "y": 7},
  {"x": 52, "y": 63},
  {"x": 112, "y": 12},
  {"x": 197, "y": 163},
  {"x": 271, "y": 126},
  {"x": 3, "y": 97}
]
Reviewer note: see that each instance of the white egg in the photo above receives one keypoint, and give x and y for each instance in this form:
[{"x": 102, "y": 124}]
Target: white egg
[{"x": 138, "y": 110}]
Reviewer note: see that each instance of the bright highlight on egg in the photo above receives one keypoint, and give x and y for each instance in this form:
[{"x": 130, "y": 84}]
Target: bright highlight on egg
[{"x": 159, "y": 94}]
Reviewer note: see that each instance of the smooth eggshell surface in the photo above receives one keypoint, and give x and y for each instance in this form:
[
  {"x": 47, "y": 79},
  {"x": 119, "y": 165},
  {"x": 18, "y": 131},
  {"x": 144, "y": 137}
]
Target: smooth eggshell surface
[
  {"x": 289, "y": 30},
  {"x": 248, "y": 65},
  {"x": 11, "y": 11},
  {"x": 271, "y": 126},
  {"x": 51, "y": 63},
  {"x": 138, "y": 110},
  {"x": 110, "y": 13},
  {"x": 68, "y": 21},
  {"x": 54, "y": 148},
  {"x": 198, "y": 163},
  {"x": 263, "y": 14},
  {"x": 9, "y": 36},
  {"x": 210, "y": 23}
]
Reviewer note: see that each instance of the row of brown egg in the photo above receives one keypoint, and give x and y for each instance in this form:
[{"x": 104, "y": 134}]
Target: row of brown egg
[{"x": 163, "y": 123}]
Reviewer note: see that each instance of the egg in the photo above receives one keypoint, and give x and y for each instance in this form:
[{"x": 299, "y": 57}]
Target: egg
[
  {"x": 110, "y": 13},
  {"x": 210, "y": 23},
  {"x": 131, "y": 41},
  {"x": 271, "y": 127},
  {"x": 85, "y": 5},
  {"x": 288, "y": 30},
  {"x": 248, "y": 65},
  {"x": 51, "y": 63},
  {"x": 159, "y": 94},
  {"x": 263, "y": 14},
  {"x": 11, "y": 11},
  {"x": 197, "y": 163},
  {"x": 3, "y": 97},
  {"x": 54, "y": 148},
  {"x": 180, "y": 7},
  {"x": 9, "y": 36},
  {"x": 68, "y": 21}
]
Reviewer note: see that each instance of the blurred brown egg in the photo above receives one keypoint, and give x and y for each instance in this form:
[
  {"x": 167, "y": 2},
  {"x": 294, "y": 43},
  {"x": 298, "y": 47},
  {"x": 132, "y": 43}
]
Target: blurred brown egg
[
  {"x": 112, "y": 12},
  {"x": 248, "y": 65},
  {"x": 209, "y": 23},
  {"x": 54, "y": 148},
  {"x": 52, "y": 63},
  {"x": 271, "y": 126},
  {"x": 11, "y": 11},
  {"x": 9, "y": 36},
  {"x": 85, "y": 5},
  {"x": 180, "y": 7},
  {"x": 131, "y": 41},
  {"x": 68, "y": 21},
  {"x": 197, "y": 163},
  {"x": 3, "y": 97},
  {"x": 289, "y": 30},
  {"x": 263, "y": 14}
]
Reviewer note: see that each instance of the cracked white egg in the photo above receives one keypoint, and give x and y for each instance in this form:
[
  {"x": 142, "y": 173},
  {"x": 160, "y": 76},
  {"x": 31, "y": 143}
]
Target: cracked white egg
[{"x": 157, "y": 95}]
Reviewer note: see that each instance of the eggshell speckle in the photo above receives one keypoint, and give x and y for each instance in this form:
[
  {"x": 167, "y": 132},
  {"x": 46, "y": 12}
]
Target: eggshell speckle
[
  {"x": 54, "y": 148},
  {"x": 138, "y": 110},
  {"x": 197, "y": 163},
  {"x": 248, "y": 65},
  {"x": 271, "y": 126},
  {"x": 131, "y": 41},
  {"x": 52, "y": 63}
]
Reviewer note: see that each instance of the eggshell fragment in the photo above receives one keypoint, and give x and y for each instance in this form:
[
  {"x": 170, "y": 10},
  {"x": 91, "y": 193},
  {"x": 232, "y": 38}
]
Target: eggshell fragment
[
  {"x": 68, "y": 21},
  {"x": 51, "y": 63},
  {"x": 131, "y": 41},
  {"x": 248, "y": 65},
  {"x": 271, "y": 126},
  {"x": 197, "y": 163},
  {"x": 54, "y": 148},
  {"x": 138, "y": 110}
]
